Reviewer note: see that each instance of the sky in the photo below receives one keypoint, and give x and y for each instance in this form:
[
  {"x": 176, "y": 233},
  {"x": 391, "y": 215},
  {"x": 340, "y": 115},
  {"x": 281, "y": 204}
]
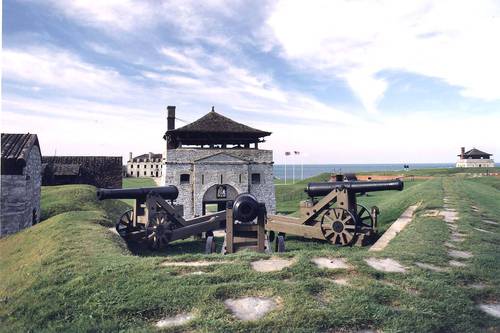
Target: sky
[{"x": 341, "y": 81}]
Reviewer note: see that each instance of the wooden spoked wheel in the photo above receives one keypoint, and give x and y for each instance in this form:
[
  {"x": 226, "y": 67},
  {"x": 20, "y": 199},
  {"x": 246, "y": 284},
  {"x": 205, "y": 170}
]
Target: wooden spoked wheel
[
  {"x": 365, "y": 218},
  {"x": 158, "y": 231},
  {"x": 125, "y": 224},
  {"x": 338, "y": 226}
]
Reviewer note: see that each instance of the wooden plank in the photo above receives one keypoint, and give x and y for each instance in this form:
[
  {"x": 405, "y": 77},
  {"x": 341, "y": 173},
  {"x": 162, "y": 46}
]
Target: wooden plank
[
  {"x": 295, "y": 229},
  {"x": 229, "y": 230},
  {"x": 394, "y": 229}
]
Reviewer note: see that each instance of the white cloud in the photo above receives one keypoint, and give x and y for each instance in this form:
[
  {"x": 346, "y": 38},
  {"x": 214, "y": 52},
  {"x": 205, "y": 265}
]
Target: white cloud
[
  {"x": 452, "y": 40},
  {"x": 112, "y": 14},
  {"x": 62, "y": 70}
]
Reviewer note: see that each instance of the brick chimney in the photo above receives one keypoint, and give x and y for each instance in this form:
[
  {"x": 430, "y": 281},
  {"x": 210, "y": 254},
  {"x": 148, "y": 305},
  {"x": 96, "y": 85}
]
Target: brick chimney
[
  {"x": 130, "y": 156},
  {"x": 170, "y": 117},
  {"x": 462, "y": 153},
  {"x": 150, "y": 156}
]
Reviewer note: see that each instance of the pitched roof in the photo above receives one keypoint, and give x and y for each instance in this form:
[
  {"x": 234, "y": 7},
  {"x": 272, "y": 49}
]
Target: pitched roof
[
  {"x": 15, "y": 151},
  {"x": 476, "y": 152},
  {"x": 146, "y": 156},
  {"x": 214, "y": 122},
  {"x": 215, "y": 128}
]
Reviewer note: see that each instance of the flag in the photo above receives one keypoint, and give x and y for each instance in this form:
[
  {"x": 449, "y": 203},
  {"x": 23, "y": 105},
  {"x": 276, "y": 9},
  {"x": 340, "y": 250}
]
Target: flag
[{"x": 287, "y": 153}]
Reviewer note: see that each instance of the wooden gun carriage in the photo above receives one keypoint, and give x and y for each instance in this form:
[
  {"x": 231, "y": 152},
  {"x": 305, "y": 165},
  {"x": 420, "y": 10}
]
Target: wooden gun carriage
[
  {"x": 245, "y": 225},
  {"x": 156, "y": 220},
  {"x": 336, "y": 217}
]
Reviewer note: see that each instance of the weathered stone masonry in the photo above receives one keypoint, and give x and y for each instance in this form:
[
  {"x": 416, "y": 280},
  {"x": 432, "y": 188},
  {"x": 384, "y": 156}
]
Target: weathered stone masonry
[
  {"x": 21, "y": 182},
  {"x": 216, "y": 151}
]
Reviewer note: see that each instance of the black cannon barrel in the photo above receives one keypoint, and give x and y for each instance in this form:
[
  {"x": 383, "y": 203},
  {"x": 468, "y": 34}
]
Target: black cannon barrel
[
  {"x": 169, "y": 192},
  {"x": 245, "y": 208},
  {"x": 322, "y": 189}
]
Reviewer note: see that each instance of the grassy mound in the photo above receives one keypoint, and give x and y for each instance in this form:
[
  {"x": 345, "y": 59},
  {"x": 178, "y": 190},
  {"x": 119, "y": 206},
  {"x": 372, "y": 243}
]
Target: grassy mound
[
  {"x": 70, "y": 273},
  {"x": 67, "y": 198}
]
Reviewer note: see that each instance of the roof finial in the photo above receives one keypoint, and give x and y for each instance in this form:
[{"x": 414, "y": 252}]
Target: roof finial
[{"x": 213, "y": 108}]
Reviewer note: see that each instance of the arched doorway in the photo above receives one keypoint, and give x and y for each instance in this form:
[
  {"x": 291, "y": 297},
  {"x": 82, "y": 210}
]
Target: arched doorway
[{"x": 216, "y": 196}]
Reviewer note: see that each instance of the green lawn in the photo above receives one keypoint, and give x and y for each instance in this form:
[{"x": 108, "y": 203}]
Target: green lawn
[
  {"x": 138, "y": 182},
  {"x": 70, "y": 273}
]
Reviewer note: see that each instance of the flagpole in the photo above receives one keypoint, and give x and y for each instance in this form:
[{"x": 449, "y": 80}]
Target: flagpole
[
  {"x": 285, "y": 167},
  {"x": 301, "y": 168}
]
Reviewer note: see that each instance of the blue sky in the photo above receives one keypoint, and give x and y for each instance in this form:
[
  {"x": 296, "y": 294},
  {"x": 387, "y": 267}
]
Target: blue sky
[{"x": 342, "y": 81}]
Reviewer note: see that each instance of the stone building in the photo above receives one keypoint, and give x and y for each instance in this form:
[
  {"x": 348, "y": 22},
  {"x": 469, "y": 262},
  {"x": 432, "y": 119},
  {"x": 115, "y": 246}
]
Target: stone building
[
  {"x": 474, "y": 158},
  {"x": 145, "y": 165},
  {"x": 214, "y": 159},
  {"x": 21, "y": 182},
  {"x": 99, "y": 171}
]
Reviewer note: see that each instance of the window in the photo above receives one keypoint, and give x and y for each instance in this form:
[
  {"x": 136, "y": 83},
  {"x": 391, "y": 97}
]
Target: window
[
  {"x": 152, "y": 174},
  {"x": 240, "y": 178},
  {"x": 132, "y": 166},
  {"x": 145, "y": 174},
  {"x": 255, "y": 178},
  {"x": 221, "y": 180},
  {"x": 138, "y": 166},
  {"x": 184, "y": 178},
  {"x": 202, "y": 179}
]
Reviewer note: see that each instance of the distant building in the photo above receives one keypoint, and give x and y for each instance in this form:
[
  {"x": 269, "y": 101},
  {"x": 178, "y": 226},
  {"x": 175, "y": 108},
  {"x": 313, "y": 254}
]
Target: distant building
[
  {"x": 474, "y": 158},
  {"x": 99, "y": 171},
  {"x": 214, "y": 159},
  {"x": 21, "y": 182},
  {"x": 145, "y": 165}
]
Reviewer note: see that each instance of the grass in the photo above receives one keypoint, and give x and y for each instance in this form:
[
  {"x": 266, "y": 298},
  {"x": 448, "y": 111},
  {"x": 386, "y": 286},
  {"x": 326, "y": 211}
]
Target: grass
[
  {"x": 69, "y": 273},
  {"x": 69, "y": 198},
  {"x": 138, "y": 182}
]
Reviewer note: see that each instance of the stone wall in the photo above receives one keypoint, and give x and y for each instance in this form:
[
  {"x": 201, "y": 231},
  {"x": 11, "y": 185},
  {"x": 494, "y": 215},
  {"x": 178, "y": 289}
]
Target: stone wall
[
  {"x": 99, "y": 171},
  {"x": 191, "y": 154},
  {"x": 205, "y": 168},
  {"x": 20, "y": 196}
]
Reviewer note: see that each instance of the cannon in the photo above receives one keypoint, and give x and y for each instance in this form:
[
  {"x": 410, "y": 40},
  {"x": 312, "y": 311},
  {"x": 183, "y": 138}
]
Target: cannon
[
  {"x": 158, "y": 222},
  {"x": 245, "y": 225},
  {"x": 332, "y": 213}
]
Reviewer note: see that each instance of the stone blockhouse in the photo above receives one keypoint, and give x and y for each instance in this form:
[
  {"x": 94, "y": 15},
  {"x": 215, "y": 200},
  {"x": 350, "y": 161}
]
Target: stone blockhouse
[
  {"x": 99, "y": 171},
  {"x": 145, "y": 165},
  {"x": 214, "y": 159},
  {"x": 474, "y": 158},
  {"x": 21, "y": 182}
]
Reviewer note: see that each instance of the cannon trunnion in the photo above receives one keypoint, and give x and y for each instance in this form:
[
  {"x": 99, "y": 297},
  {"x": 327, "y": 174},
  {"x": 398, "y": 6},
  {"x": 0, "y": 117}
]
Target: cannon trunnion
[{"x": 332, "y": 213}]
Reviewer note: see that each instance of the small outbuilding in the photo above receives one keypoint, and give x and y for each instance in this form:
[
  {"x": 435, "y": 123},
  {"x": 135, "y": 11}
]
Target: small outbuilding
[
  {"x": 474, "y": 158},
  {"x": 21, "y": 182}
]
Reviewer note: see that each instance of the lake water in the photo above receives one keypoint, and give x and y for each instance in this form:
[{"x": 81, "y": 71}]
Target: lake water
[{"x": 310, "y": 170}]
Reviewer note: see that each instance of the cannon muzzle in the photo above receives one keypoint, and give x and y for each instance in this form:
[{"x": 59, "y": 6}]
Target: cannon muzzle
[
  {"x": 169, "y": 192},
  {"x": 245, "y": 208},
  {"x": 322, "y": 189}
]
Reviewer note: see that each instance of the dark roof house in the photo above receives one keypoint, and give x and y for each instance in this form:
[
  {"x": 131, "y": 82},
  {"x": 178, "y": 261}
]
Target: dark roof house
[
  {"x": 214, "y": 128},
  {"x": 15, "y": 151},
  {"x": 20, "y": 182},
  {"x": 474, "y": 154}
]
